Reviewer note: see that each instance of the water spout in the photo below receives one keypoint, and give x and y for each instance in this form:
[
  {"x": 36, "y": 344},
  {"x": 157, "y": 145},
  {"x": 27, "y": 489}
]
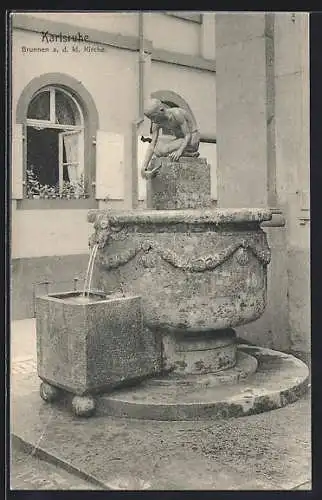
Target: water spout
[{"x": 89, "y": 272}]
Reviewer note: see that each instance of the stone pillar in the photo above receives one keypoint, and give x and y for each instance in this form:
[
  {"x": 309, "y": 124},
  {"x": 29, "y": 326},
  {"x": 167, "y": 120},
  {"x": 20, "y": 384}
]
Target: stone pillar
[
  {"x": 246, "y": 145},
  {"x": 292, "y": 88},
  {"x": 244, "y": 108},
  {"x": 180, "y": 185}
]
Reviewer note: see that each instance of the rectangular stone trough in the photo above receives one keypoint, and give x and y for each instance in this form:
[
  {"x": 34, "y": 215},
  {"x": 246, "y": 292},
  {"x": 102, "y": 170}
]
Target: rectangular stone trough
[{"x": 92, "y": 344}]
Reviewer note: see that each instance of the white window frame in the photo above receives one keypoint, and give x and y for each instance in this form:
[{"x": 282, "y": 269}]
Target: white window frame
[
  {"x": 65, "y": 129},
  {"x": 80, "y": 161}
]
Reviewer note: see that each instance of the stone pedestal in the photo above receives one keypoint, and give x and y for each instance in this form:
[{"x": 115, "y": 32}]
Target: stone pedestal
[
  {"x": 180, "y": 184},
  {"x": 205, "y": 352}
]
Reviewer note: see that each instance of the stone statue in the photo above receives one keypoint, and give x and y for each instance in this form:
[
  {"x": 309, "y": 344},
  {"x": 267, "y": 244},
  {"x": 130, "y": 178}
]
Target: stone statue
[{"x": 184, "y": 140}]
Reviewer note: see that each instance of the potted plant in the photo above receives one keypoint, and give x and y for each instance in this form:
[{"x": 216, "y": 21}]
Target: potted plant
[
  {"x": 83, "y": 186},
  {"x": 32, "y": 183},
  {"x": 71, "y": 190},
  {"x": 79, "y": 187},
  {"x": 52, "y": 192},
  {"x": 44, "y": 191},
  {"x": 65, "y": 192}
]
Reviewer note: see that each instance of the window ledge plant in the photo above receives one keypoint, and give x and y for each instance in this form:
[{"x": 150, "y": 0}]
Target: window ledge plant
[{"x": 69, "y": 190}]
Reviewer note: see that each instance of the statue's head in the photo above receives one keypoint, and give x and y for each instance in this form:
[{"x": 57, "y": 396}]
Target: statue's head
[{"x": 154, "y": 108}]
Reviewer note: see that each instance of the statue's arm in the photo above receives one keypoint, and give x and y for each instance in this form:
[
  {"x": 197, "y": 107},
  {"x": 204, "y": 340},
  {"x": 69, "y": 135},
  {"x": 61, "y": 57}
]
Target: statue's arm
[
  {"x": 150, "y": 150},
  {"x": 183, "y": 122}
]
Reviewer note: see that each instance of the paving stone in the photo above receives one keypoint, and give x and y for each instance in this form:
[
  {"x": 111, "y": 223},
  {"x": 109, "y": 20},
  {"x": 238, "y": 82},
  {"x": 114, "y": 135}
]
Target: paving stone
[
  {"x": 31, "y": 473},
  {"x": 267, "y": 451}
]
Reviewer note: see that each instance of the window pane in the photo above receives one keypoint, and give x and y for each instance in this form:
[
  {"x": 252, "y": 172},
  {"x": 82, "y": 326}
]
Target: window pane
[
  {"x": 39, "y": 108},
  {"x": 42, "y": 155},
  {"x": 66, "y": 110}
]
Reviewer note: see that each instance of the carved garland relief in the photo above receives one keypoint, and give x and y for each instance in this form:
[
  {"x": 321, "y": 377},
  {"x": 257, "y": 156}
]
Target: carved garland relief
[{"x": 104, "y": 233}]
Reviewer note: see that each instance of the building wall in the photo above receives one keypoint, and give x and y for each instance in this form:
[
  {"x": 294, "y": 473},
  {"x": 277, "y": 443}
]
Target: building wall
[
  {"x": 181, "y": 36},
  {"x": 115, "y": 22},
  {"x": 262, "y": 88},
  {"x": 196, "y": 87},
  {"x": 57, "y": 232},
  {"x": 115, "y": 98},
  {"x": 293, "y": 165},
  {"x": 53, "y": 244}
]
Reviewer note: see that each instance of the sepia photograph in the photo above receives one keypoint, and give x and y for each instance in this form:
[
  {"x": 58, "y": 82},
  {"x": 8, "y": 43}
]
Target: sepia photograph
[{"x": 160, "y": 316}]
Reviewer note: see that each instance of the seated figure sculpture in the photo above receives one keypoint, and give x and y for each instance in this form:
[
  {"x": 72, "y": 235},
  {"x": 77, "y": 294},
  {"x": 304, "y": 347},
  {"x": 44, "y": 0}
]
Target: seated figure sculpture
[{"x": 184, "y": 140}]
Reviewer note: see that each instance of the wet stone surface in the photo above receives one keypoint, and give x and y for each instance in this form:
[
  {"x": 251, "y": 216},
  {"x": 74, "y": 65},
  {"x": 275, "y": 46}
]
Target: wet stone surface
[{"x": 267, "y": 451}]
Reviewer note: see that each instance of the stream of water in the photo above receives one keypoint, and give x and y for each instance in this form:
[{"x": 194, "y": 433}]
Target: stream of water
[{"x": 89, "y": 272}]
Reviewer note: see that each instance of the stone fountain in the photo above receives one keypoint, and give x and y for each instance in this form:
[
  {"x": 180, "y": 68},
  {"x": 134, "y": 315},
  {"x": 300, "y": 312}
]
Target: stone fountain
[{"x": 199, "y": 272}]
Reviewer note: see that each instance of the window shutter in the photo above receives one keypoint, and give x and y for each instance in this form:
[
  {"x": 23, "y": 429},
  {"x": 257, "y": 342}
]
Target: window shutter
[
  {"x": 109, "y": 165},
  {"x": 17, "y": 162},
  {"x": 209, "y": 151}
]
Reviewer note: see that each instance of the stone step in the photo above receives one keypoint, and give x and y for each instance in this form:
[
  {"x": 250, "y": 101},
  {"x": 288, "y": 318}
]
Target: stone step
[{"x": 279, "y": 380}]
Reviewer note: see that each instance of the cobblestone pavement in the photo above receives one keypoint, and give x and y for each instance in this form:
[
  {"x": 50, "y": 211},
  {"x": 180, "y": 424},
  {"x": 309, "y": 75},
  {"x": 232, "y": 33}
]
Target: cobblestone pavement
[{"x": 30, "y": 473}]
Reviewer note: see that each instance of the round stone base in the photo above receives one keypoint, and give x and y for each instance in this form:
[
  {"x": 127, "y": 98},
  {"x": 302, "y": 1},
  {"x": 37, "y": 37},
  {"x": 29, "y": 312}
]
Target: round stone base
[
  {"x": 245, "y": 365},
  {"x": 280, "y": 379},
  {"x": 198, "y": 354}
]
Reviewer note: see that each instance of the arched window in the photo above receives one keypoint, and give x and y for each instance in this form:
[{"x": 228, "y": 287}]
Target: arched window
[
  {"x": 55, "y": 145},
  {"x": 56, "y": 141}
]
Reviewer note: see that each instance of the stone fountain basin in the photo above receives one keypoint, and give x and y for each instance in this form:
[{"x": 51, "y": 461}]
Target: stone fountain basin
[
  {"x": 89, "y": 345},
  {"x": 196, "y": 270}
]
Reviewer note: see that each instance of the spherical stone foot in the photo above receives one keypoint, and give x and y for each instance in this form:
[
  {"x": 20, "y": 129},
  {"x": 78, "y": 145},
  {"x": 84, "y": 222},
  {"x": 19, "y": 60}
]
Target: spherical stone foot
[
  {"x": 48, "y": 392},
  {"x": 83, "y": 406}
]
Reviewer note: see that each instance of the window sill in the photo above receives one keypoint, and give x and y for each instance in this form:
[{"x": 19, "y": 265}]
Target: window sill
[{"x": 59, "y": 204}]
